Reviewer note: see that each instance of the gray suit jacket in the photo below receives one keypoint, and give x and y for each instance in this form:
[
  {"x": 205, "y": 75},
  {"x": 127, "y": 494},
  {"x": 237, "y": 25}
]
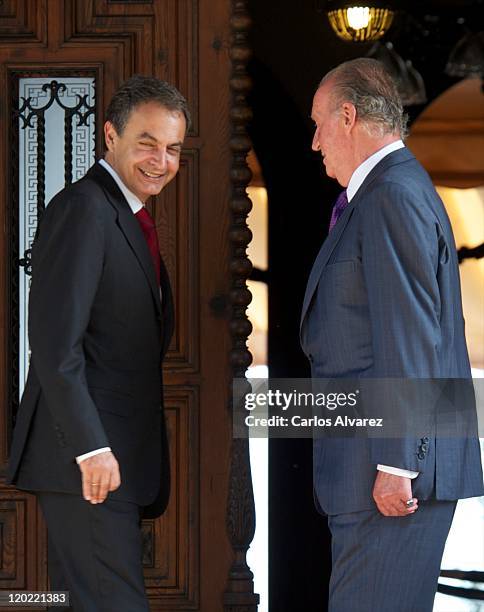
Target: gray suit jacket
[{"x": 383, "y": 301}]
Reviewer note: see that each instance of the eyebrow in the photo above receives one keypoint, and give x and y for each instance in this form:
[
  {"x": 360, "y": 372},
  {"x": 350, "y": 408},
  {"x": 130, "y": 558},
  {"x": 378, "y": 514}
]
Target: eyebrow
[
  {"x": 147, "y": 135},
  {"x": 150, "y": 137}
]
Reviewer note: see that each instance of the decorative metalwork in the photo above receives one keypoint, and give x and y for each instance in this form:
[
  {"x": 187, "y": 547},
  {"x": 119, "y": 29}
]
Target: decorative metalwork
[
  {"x": 239, "y": 595},
  {"x": 148, "y": 544},
  {"x": 469, "y": 578},
  {"x": 26, "y": 262},
  {"x": 410, "y": 83},
  {"x": 355, "y": 23},
  {"x": 28, "y": 112},
  {"x": 42, "y": 150},
  {"x": 465, "y": 252}
]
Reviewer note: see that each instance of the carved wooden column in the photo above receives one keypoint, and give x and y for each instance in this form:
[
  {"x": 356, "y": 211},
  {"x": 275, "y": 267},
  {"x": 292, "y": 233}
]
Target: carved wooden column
[{"x": 239, "y": 595}]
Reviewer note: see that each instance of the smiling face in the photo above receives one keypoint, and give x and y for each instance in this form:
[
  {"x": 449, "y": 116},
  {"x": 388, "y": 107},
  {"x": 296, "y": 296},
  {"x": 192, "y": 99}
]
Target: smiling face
[
  {"x": 332, "y": 134},
  {"x": 146, "y": 155}
]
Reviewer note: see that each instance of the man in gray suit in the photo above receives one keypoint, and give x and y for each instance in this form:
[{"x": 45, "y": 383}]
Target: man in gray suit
[{"x": 383, "y": 302}]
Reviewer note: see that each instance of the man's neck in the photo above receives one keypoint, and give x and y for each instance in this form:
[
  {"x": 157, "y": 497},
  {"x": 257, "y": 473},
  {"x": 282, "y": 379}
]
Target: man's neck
[
  {"x": 366, "y": 166},
  {"x": 367, "y": 147},
  {"x": 134, "y": 202}
]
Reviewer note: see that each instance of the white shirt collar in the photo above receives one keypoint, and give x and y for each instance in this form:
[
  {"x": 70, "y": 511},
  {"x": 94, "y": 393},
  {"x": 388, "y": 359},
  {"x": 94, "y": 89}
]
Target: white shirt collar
[
  {"x": 364, "y": 169},
  {"x": 134, "y": 202}
]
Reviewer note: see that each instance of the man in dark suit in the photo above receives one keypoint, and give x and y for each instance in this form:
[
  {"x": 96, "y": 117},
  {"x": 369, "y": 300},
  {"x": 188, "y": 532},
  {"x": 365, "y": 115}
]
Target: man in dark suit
[
  {"x": 90, "y": 437},
  {"x": 383, "y": 302}
]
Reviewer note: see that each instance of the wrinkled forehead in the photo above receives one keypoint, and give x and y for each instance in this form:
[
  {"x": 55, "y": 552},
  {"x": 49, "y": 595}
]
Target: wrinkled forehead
[{"x": 322, "y": 98}]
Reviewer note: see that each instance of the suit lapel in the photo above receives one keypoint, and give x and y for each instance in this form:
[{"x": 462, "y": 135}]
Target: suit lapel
[
  {"x": 323, "y": 256},
  {"x": 130, "y": 228},
  {"x": 168, "y": 311},
  {"x": 396, "y": 157}
]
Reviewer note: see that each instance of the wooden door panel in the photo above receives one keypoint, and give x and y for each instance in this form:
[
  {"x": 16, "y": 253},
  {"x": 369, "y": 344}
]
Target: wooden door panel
[
  {"x": 160, "y": 38},
  {"x": 23, "y": 542},
  {"x": 172, "y": 573},
  {"x": 176, "y": 214},
  {"x": 23, "y": 20}
]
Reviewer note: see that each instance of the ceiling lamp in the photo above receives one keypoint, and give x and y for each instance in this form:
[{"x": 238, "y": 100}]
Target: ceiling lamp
[
  {"x": 415, "y": 92},
  {"x": 409, "y": 81},
  {"x": 467, "y": 57},
  {"x": 357, "y": 22}
]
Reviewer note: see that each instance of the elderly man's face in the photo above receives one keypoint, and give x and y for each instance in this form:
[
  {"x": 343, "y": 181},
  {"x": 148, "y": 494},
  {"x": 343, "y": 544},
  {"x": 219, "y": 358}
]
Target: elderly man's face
[{"x": 330, "y": 136}]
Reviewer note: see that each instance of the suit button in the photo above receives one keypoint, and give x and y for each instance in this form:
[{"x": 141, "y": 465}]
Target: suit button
[
  {"x": 424, "y": 447},
  {"x": 310, "y": 357},
  {"x": 421, "y": 455},
  {"x": 425, "y": 440}
]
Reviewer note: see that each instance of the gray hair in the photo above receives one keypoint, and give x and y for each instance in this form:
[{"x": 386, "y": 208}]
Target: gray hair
[
  {"x": 365, "y": 83},
  {"x": 140, "y": 89}
]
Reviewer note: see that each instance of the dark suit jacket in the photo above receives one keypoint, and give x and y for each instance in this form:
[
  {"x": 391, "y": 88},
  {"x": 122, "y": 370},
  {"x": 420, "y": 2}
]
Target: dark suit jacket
[
  {"x": 98, "y": 333},
  {"x": 383, "y": 301}
]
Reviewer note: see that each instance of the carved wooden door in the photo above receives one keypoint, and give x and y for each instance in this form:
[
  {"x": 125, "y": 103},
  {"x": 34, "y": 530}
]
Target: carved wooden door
[{"x": 68, "y": 57}]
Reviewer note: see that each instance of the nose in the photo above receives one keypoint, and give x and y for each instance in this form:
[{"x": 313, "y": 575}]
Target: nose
[
  {"x": 160, "y": 159},
  {"x": 315, "y": 144}
]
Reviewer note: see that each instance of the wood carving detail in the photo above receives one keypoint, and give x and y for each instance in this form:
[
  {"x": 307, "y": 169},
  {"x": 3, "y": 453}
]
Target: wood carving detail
[
  {"x": 148, "y": 46},
  {"x": 11, "y": 516},
  {"x": 148, "y": 538},
  {"x": 23, "y": 20},
  {"x": 176, "y": 213},
  {"x": 171, "y": 553},
  {"x": 239, "y": 595},
  {"x": 22, "y": 538}
]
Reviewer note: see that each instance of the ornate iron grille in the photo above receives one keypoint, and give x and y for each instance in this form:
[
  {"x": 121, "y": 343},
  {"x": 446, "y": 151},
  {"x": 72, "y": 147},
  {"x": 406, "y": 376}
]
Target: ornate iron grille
[
  {"x": 52, "y": 145},
  {"x": 32, "y": 115}
]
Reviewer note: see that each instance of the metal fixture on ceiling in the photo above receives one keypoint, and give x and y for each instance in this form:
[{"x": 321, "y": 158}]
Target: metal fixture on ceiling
[
  {"x": 410, "y": 83},
  {"x": 413, "y": 21},
  {"x": 467, "y": 57},
  {"x": 359, "y": 21}
]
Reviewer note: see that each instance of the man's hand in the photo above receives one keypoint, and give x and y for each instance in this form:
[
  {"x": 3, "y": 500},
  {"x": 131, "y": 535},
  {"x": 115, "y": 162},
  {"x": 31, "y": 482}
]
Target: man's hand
[
  {"x": 390, "y": 493},
  {"x": 100, "y": 474}
]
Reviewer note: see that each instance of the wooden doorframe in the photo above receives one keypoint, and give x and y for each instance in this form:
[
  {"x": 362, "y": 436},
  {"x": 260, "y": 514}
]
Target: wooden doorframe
[{"x": 239, "y": 596}]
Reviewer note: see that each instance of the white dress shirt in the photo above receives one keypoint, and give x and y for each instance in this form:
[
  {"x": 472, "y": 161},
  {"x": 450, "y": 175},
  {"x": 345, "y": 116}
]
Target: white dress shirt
[
  {"x": 136, "y": 205},
  {"x": 356, "y": 180},
  {"x": 364, "y": 169},
  {"x": 134, "y": 202}
]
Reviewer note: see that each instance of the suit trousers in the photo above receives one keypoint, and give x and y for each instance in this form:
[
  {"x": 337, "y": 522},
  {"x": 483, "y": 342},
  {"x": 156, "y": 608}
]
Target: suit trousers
[
  {"x": 385, "y": 563},
  {"x": 95, "y": 553}
]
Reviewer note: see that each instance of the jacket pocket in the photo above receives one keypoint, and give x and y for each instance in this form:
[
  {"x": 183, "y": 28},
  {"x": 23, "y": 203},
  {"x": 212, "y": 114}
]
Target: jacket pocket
[{"x": 340, "y": 267}]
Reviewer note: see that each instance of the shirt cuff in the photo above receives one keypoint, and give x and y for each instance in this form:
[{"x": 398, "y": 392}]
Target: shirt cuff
[
  {"x": 397, "y": 471},
  {"x": 98, "y": 451}
]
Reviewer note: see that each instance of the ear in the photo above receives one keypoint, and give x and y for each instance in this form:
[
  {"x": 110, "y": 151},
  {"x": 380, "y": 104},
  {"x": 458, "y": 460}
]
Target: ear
[
  {"x": 349, "y": 115},
  {"x": 110, "y": 135}
]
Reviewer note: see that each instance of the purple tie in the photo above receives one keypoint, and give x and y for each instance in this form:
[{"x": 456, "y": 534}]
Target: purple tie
[{"x": 338, "y": 208}]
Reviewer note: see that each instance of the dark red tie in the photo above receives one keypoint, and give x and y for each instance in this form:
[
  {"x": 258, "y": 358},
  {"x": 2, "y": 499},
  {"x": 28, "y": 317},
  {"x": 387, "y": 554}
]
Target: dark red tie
[{"x": 148, "y": 228}]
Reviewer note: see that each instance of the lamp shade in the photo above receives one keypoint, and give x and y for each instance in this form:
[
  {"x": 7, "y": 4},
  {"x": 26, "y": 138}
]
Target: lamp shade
[
  {"x": 409, "y": 81},
  {"x": 416, "y": 93},
  {"x": 467, "y": 57},
  {"x": 358, "y": 22}
]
